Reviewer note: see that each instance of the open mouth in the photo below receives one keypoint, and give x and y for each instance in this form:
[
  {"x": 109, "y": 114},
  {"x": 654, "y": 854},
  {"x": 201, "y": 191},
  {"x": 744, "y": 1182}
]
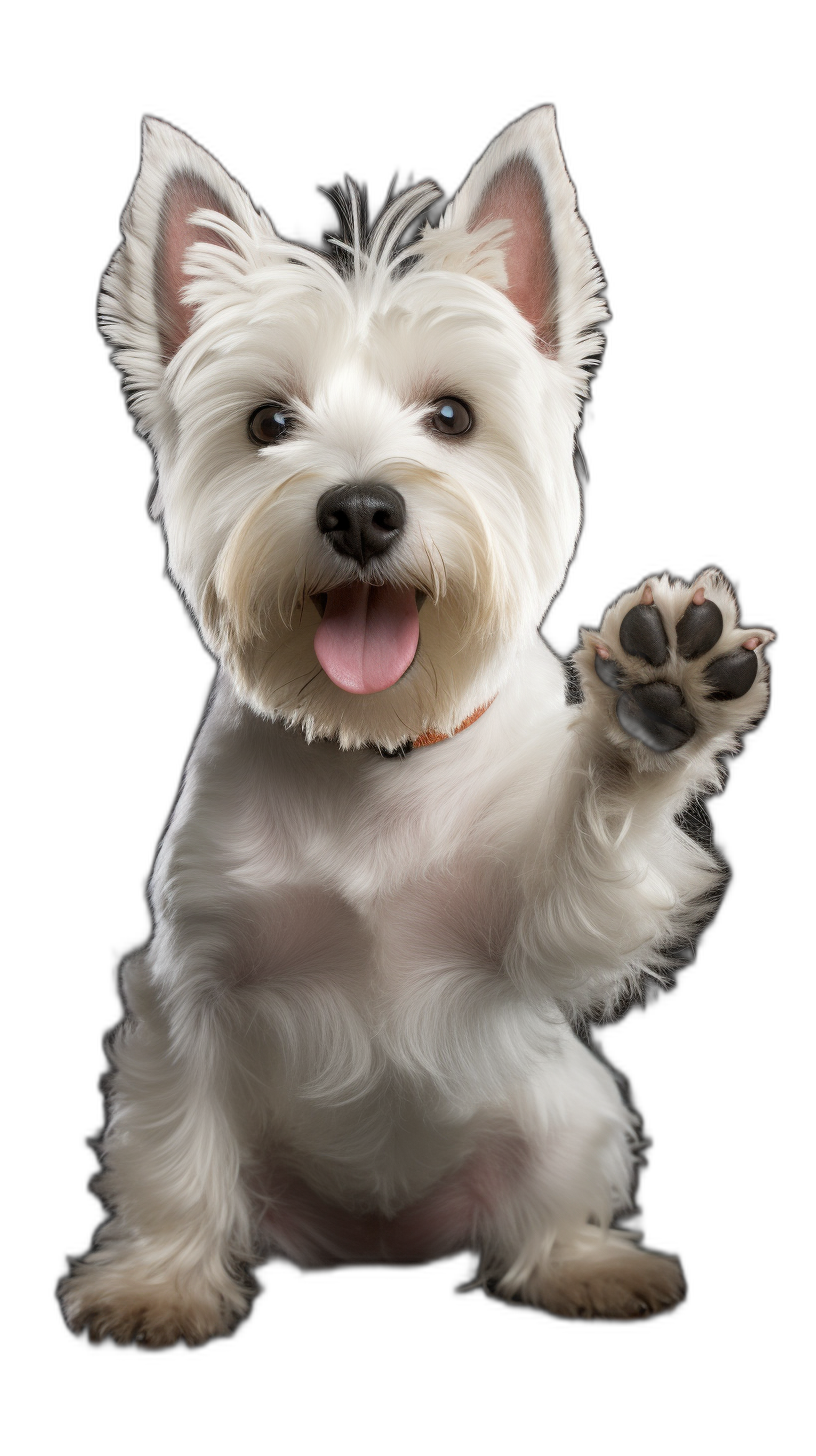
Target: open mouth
[{"x": 368, "y": 635}]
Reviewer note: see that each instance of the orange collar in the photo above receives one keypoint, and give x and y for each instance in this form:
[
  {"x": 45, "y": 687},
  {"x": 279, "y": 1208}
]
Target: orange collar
[{"x": 425, "y": 739}]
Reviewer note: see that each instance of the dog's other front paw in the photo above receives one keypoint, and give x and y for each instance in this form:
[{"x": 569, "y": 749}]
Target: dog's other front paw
[
  {"x": 123, "y": 1300},
  {"x": 670, "y": 666},
  {"x": 608, "y": 1277}
]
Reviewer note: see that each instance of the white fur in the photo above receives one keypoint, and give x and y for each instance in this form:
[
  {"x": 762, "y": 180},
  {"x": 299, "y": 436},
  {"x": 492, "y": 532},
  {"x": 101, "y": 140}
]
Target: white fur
[{"x": 365, "y": 971}]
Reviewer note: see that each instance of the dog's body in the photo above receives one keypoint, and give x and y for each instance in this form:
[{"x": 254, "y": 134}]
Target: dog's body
[{"x": 352, "y": 1034}]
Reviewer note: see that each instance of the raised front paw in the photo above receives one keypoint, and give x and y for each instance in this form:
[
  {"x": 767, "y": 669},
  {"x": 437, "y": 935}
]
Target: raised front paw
[{"x": 670, "y": 666}]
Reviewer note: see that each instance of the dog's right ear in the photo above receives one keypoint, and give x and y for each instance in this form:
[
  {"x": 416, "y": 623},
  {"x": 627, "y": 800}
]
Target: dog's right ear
[{"x": 144, "y": 309}]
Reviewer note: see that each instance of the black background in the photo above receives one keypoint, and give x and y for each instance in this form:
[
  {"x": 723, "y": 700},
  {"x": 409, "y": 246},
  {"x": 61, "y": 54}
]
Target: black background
[{"x": 685, "y": 466}]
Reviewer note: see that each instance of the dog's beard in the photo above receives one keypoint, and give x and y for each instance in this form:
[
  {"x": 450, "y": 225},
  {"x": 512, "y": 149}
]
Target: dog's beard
[{"x": 261, "y": 610}]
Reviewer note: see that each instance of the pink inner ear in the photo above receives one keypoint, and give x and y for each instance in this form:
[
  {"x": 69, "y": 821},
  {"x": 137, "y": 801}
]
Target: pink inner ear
[
  {"x": 516, "y": 193},
  {"x": 185, "y": 195}
]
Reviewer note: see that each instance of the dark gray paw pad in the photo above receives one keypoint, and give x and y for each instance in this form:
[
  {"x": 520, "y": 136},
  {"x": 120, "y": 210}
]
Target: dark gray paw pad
[
  {"x": 698, "y": 629},
  {"x": 608, "y": 671},
  {"x": 657, "y": 715},
  {"x": 732, "y": 676},
  {"x": 642, "y": 634}
]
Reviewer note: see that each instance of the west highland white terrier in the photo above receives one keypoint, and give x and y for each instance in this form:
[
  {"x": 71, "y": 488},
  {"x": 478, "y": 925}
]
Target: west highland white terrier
[{"x": 407, "y": 867}]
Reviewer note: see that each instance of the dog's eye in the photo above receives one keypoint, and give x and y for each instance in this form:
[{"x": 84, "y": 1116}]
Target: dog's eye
[
  {"x": 450, "y": 417},
  {"x": 269, "y": 424}
]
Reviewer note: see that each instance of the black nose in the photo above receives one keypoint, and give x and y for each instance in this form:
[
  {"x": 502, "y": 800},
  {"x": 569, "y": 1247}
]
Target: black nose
[{"x": 361, "y": 520}]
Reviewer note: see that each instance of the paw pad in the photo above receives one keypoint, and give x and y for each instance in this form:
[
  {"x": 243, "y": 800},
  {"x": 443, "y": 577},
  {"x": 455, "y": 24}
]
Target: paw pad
[
  {"x": 732, "y": 676},
  {"x": 642, "y": 634},
  {"x": 608, "y": 671},
  {"x": 666, "y": 712},
  {"x": 699, "y": 628},
  {"x": 656, "y": 713}
]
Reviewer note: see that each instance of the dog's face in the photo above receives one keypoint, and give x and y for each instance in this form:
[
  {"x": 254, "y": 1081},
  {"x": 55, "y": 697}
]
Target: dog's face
[{"x": 365, "y": 457}]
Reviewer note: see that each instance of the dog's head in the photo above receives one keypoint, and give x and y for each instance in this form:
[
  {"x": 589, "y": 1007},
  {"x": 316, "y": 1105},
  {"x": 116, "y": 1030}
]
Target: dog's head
[{"x": 365, "y": 455}]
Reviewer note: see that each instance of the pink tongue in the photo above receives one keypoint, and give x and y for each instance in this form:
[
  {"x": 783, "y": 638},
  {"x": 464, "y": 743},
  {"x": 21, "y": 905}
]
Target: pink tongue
[{"x": 368, "y": 636}]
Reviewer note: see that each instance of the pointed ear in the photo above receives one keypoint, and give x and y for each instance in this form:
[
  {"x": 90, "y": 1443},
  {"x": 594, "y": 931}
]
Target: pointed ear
[
  {"x": 185, "y": 195},
  {"x": 552, "y": 274},
  {"x": 143, "y": 310}
]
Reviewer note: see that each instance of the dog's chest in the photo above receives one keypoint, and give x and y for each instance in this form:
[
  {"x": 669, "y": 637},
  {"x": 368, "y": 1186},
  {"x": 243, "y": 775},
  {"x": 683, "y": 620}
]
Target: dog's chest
[
  {"x": 348, "y": 870},
  {"x": 381, "y": 901}
]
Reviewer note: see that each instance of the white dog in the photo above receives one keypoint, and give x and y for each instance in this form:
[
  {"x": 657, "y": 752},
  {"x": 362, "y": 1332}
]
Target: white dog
[{"x": 403, "y": 870}]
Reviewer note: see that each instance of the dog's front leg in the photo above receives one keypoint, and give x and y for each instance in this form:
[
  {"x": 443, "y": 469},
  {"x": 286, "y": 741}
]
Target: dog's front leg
[
  {"x": 670, "y": 683},
  {"x": 170, "y": 1262}
]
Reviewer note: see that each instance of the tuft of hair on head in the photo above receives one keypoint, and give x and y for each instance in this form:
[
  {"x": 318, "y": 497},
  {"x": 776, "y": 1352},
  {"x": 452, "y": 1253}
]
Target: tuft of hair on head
[{"x": 376, "y": 251}]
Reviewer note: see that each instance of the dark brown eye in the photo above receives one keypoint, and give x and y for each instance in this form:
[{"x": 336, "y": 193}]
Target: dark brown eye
[
  {"x": 269, "y": 424},
  {"x": 450, "y": 417}
]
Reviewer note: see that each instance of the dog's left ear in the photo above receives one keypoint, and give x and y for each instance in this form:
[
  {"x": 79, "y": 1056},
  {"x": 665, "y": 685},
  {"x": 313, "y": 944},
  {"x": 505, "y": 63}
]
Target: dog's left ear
[{"x": 552, "y": 274}]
